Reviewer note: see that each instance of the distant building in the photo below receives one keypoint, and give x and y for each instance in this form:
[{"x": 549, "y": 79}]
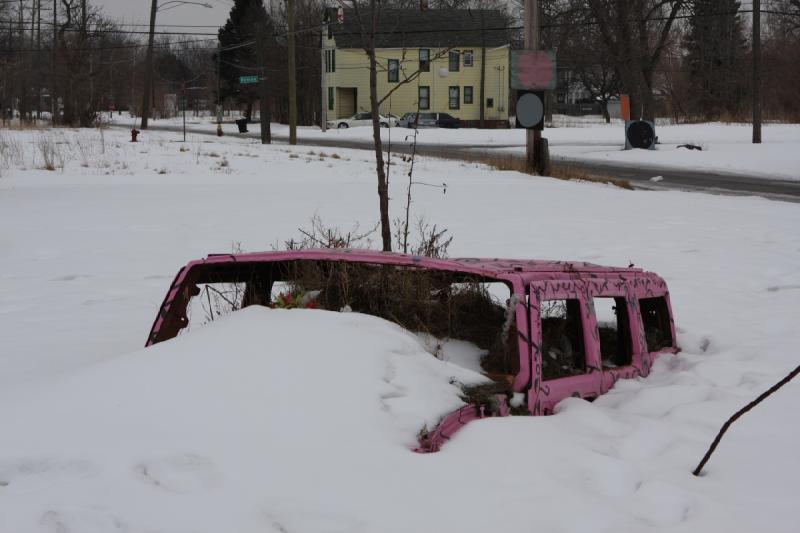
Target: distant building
[{"x": 439, "y": 51}]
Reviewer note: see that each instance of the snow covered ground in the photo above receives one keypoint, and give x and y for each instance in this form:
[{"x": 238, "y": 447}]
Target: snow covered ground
[
  {"x": 251, "y": 424},
  {"x": 725, "y": 147}
]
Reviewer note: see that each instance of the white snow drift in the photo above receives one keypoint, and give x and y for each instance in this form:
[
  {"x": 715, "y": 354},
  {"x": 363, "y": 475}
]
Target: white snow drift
[{"x": 292, "y": 421}]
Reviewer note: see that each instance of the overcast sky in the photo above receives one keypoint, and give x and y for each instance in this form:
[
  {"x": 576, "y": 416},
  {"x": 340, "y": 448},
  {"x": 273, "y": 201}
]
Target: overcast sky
[{"x": 138, "y": 12}]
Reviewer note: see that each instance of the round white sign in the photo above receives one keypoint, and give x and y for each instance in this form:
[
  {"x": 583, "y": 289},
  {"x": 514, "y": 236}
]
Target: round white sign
[{"x": 530, "y": 110}]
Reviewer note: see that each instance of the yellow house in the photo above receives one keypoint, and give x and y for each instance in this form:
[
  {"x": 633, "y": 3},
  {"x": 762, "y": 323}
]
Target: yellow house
[{"x": 435, "y": 61}]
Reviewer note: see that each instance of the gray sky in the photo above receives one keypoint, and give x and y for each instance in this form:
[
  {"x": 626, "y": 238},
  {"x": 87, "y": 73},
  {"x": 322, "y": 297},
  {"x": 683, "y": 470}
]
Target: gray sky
[{"x": 138, "y": 12}]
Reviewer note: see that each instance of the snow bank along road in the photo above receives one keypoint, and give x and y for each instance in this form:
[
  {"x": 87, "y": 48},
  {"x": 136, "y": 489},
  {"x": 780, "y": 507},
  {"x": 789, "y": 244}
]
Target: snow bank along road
[
  {"x": 745, "y": 173},
  {"x": 235, "y": 427}
]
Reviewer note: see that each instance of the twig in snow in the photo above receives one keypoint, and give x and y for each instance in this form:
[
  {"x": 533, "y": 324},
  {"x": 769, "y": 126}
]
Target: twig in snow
[{"x": 739, "y": 413}]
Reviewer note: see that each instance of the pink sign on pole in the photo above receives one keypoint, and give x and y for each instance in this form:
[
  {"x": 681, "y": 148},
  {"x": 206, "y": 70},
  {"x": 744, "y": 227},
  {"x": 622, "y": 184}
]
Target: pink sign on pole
[{"x": 533, "y": 69}]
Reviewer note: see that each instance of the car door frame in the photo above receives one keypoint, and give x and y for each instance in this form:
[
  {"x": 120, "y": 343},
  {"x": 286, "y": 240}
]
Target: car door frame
[
  {"x": 607, "y": 287},
  {"x": 545, "y": 394}
]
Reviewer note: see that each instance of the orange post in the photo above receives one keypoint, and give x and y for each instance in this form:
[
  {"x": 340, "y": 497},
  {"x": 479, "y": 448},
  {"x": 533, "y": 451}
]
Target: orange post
[{"x": 625, "y": 107}]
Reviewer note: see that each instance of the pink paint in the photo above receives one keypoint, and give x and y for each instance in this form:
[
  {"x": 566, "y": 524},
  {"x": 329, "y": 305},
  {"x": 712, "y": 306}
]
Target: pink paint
[
  {"x": 533, "y": 69},
  {"x": 531, "y": 281}
]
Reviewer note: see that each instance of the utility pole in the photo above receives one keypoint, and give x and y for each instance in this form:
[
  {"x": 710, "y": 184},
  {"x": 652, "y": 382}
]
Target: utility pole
[
  {"x": 292, "y": 75},
  {"x": 323, "y": 111},
  {"x": 756, "y": 71},
  {"x": 38, "y": 59},
  {"x": 265, "y": 113},
  {"x": 34, "y": 105},
  {"x": 54, "y": 81},
  {"x": 533, "y": 137},
  {"x": 22, "y": 105},
  {"x": 148, "y": 68},
  {"x": 482, "y": 96},
  {"x": 219, "y": 98}
]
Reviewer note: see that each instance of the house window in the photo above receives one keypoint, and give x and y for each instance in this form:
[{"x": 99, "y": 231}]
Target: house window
[
  {"x": 467, "y": 58},
  {"x": 614, "y": 331},
  {"x": 330, "y": 60},
  {"x": 454, "y": 60},
  {"x": 468, "y": 94},
  {"x": 563, "y": 353},
  {"x": 454, "y": 97},
  {"x": 490, "y": 103},
  {"x": 655, "y": 319},
  {"x": 394, "y": 70},
  {"x": 424, "y": 97},
  {"x": 330, "y": 98},
  {"x": 424, "y": 60}
]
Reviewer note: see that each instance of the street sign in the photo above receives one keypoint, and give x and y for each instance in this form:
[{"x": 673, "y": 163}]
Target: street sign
[
  {"x": 640, "y": 134},
  {"x": 533, "y": 70},
  {"x": 248, "y": 79},
  {"x": 530, "y": 110}
]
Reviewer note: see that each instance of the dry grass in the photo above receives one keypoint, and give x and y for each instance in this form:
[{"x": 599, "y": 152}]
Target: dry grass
[
  {"x": 558, "y": 171},
  {"x": 50, "y": 152}
]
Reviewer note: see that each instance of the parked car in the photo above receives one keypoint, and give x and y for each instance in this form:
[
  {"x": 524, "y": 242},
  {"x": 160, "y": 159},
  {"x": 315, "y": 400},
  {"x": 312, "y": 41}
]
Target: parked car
[
  {"x": 543, "y": 330},
  {"x": 426, "y": 120},
  {"x": 443, "y": 120},
  {"x": 429, "y": 120},
  {"x": 362, "y": 119}
]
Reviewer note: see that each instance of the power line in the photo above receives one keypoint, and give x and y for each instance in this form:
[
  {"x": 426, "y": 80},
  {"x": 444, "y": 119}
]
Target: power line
[{"x": 312, "y": 28}]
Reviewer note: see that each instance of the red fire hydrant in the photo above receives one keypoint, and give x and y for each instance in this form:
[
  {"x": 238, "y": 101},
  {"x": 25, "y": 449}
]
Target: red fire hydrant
[{"x": 134, "y": 134}]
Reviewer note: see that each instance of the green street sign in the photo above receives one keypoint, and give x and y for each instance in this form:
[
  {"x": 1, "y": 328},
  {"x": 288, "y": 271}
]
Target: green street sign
[{"x": 248, "y": 79}]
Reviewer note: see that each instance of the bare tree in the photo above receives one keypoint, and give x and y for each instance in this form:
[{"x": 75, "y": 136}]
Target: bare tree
[
  {"x": 371, "y": 30},
  {"x": 580, "y": 50},
  {"x": 368, "y": 17},
  {"x": 635, "y": 34}
]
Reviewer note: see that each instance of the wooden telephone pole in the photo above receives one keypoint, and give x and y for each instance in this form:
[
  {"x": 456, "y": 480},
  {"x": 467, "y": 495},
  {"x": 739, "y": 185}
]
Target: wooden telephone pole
[
  {"x": 533, "y": 137},
  {"x": 756, "y": 71},
  {"x": 292, "y": 75},
  {"x": 148, "y": 67}
]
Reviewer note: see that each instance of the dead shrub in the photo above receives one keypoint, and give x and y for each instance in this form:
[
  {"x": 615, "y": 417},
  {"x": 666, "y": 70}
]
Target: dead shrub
[
  {"x": 11, "y": 151},
  {"x": 84, "y": 150},
  {"x": 430, "y": 240},
  {"x": 442, "y": 304},
  {"x": 50, "y": 152},
  {"x": 318, "y": 235}
]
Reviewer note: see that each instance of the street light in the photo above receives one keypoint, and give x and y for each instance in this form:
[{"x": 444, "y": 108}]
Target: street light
[{"x": 148, "y": 74}]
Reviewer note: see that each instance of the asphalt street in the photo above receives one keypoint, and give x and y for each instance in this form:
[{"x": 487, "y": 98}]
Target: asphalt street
[{"x": 649, "y": 177}]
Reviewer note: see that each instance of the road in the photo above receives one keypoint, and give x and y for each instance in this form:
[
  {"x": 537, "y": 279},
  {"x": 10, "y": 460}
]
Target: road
[{"x": 639, "y": 177}]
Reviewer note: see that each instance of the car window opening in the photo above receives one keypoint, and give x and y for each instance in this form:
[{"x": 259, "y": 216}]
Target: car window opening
[
  {"x": 461, "y": 318},
  {"x": 563, "y": 352},
  {"x": 655, "y": 319},
  {"x": 614, "y": 331}
]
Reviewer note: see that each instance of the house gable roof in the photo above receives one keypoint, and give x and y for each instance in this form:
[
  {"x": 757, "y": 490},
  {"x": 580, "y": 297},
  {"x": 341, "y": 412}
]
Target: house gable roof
[{"x": 435, "y": 28}]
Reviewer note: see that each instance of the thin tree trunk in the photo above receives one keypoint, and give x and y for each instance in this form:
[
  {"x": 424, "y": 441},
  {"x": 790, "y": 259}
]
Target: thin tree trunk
[{"x": 383, "y": 182}]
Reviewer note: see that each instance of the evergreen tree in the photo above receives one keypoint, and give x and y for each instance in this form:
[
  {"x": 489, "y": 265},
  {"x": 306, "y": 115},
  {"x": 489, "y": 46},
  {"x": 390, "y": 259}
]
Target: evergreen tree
[
  {"x": 716, "y": 49},
  {"x": 239, "y": 39}
]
